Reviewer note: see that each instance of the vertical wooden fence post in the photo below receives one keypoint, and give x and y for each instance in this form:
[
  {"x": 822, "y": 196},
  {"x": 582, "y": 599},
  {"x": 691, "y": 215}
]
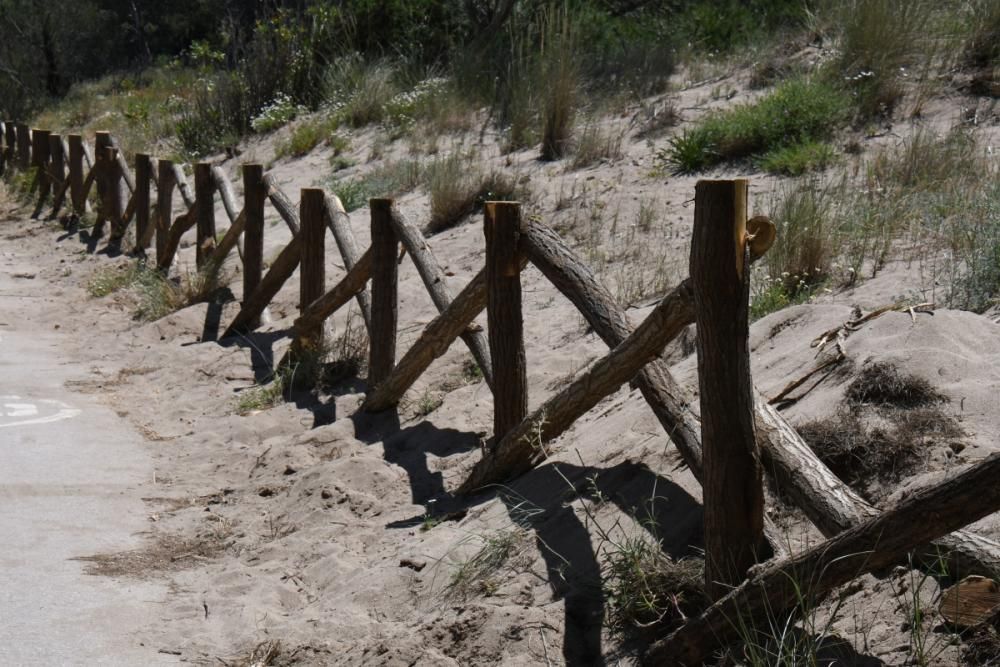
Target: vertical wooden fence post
[
  {"x": 102, "y": 142},
  {"x": 76, "y": 175},
  {"x": 57, "y": 160},
  {"x": 23, "y": 146},
  {"x": 254, "y": 197},
  {"x": 40, "y": 164},
  {"x": 204, "y": 198},
  {"x": 165, "y": 183},
  {"x": 502, "y": 222},
  {"x": 113, "y": 205},
  {"x": 10, "y": 139},
  {"x": 143, "y": 175},
  {"x": 732, "y": 487},
  {"x": 312, "y": 270},
  {"x": 385, "y": 269}
]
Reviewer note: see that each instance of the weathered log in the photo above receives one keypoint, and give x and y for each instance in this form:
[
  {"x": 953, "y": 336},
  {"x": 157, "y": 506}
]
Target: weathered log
[
  {"x": 340, "y": 226},
  {"x": 322, "y": 307},
  {"x": 434, "y": 280},
  {"x": 229, "y": 241},
  {"x": 925, "y": 515},
  {"x": 123, "y": 165},
  {"x": 520, "y": 450},
  {"x": 281, "y": 270},
  {"x": 733, "y": 487},
  {"x": 228, "y": 197},
  {"x": 10, "y": 139},
  {"x": 254, "y": 196},
  {"x": 433, "y": 342},
  {"x": 385, "y": 269},
  {"x": 282, "y": 204},
  {"x": 172, "y": 242},
  {"x": 204, "y": 197},
  {"x": 571, "y": 276},
  {"x": 165, "y": 182},
  {"x": 181, "y": 183},
  {"x": 793, "y": 468}
]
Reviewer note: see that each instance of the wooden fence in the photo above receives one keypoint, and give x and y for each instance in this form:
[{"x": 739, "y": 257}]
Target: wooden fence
[{"x": 739, "y": 441}]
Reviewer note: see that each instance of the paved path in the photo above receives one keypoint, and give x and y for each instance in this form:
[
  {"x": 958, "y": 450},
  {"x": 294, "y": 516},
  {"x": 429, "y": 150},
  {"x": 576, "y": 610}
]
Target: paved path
[{"x": 69, "y": 486}]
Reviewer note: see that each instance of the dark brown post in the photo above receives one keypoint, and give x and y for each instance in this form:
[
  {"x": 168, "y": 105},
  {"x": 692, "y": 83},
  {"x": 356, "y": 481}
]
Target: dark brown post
[
  {"x": 10, "y": 140},
  {"x": 733, "y": 491},
  {"x": 204, "y": 197},
  {"x": 312, "y": 274},
  {"x": 165, "y": 183},
  {"x": 503, "y": 312},
  {"x": 254, "y": 196},
  {"x": 143, "y": 174},
  {"x": 76, "y": 175},
  {"x": 57, "y": 160},
  {"x": 23, "y": 145},
  {"x": 102, "y": 141},
  {"x": 113, "y": 198},
  {"x": 385, "y": 247},
  {"x": 40, "y": 164}
]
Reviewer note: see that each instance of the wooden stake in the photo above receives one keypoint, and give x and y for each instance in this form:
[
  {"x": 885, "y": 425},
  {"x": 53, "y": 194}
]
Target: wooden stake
[
  {"x": 281, "y": 270},
  {"x": 732, "y": 486},
  {"x": 504, "y": 318},
  {"x": 113, "y": 200},
  {"x": 40, "y": 163},
  {"x": 76, "y": 174},
  {"x": 204, "y": 196},
  {"x": 23, "y": 141},
  {"x": 382, "y": 350},
  {"x": 10, "y": 138},
  {"x": 143, "y": 175},
  {"x": 312, "y": 272},
  {"x": 254, "y": 196},
  {"x": 165, "y": 182}
]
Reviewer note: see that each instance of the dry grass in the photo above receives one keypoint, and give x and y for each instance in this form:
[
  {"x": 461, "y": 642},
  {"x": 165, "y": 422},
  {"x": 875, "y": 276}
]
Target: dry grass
[
  {"x": 882, "y": 384},
  {"x": 649, "y": 594},
  {"x": 168, "y": 553},
  {"x": 886, "y": 428},
  {"x": 458, "y": 186}
]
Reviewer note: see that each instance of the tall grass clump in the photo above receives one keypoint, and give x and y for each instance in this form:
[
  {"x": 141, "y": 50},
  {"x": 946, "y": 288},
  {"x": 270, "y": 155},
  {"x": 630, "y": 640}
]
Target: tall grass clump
[
  {"x": 880, "y": 39},
  {"x": 458, "y": 186},
  {"x": 560, "y": 81},
  {"x": 799, "y": 112},
  {"x": 391, "y": 179}
]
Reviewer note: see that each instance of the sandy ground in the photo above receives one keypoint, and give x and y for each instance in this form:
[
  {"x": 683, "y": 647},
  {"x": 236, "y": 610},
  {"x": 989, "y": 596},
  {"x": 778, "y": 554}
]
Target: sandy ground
[{"x": 334, "y": 533}]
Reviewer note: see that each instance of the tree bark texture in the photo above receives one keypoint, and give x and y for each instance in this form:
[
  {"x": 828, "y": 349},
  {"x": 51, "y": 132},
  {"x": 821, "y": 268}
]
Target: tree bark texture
[
  {"x": 505, "y": 324},
  {"x": 254, "y": 196},
  {"x": 385, "y": 270},
  {"x": 877, "y": 543},
  {"x": 340, "y": 226}
]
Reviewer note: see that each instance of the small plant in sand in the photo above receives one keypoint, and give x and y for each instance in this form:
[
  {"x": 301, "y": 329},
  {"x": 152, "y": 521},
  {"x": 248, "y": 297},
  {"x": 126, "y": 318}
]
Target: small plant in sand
[
  {"x": 458, "y": 185},
  {"x": 476, "y": 575}
]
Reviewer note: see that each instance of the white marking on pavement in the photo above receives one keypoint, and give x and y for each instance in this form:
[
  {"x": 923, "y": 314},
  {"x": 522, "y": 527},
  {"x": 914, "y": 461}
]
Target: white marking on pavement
[{"x": 39, "y": 411}]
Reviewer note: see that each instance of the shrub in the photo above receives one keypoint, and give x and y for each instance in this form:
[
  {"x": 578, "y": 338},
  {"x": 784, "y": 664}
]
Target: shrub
[
  {"x": 281, "y": 111},
  {"x": 798, "y": 159},
  {"x": 796, "y": 113},
  {"x": 359, "y": 91}
]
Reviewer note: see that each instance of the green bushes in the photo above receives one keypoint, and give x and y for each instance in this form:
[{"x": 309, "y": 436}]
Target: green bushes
[{"x": 798, "y": 113}]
